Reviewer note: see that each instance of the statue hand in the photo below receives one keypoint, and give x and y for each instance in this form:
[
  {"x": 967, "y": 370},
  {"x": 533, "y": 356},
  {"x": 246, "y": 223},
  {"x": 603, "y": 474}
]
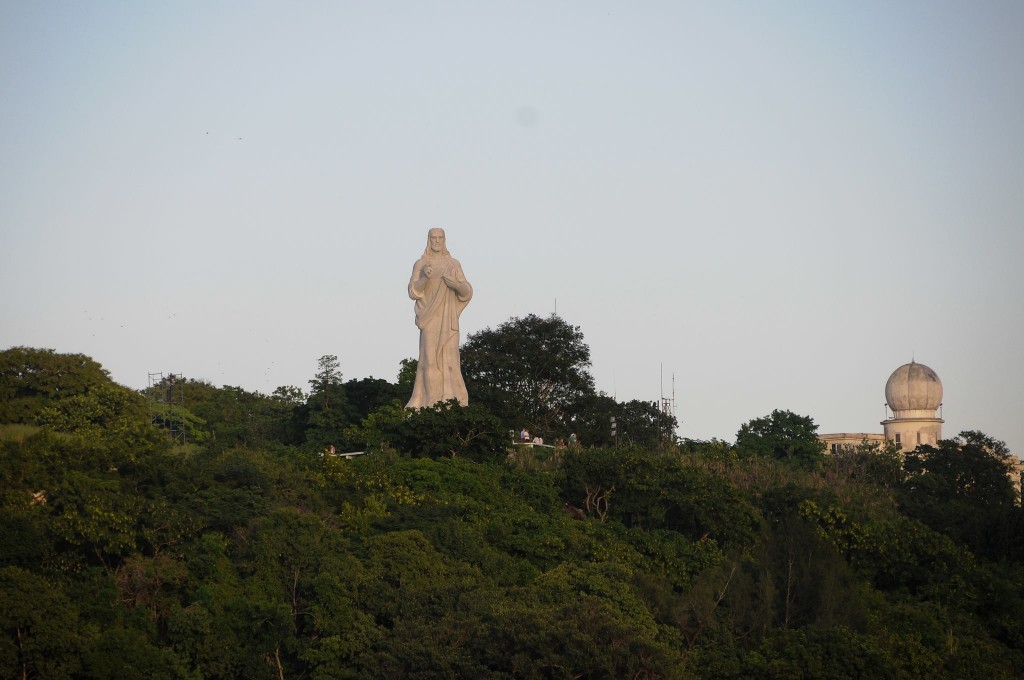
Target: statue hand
[{"x": 428, "y": 269}]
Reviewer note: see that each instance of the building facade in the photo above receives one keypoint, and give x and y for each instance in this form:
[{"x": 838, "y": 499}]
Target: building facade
[
  {"x": 836, "y": 441},
  {"x": 913, "y": 398},
  {"x": 913, "y": 395}
]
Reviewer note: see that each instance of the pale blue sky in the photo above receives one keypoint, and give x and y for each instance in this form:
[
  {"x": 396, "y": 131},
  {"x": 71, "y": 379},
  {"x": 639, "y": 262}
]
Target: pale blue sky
[{"x": 780, "y": 203}]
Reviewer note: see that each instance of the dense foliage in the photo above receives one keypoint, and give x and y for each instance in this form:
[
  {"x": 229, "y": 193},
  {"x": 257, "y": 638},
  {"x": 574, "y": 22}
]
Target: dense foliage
[
  {"x": 530, "y": 370},
  {"x": 248, "y": 553},
  {"x": 533, "y": 373},
  {"x": 783, "y": 435}
]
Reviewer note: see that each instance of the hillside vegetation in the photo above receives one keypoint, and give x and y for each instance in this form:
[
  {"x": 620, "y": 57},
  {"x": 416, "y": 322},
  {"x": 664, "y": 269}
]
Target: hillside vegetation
[{"x": 243, "y": 550}]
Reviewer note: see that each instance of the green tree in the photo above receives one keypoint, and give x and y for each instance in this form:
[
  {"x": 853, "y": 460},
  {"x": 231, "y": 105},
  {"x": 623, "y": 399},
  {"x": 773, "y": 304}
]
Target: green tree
[
  {"x": 104, "y": 409},
  {"x": 285, "y": 558},
  {"x": 809, "y": 581},
  {"x": 529, "y": 372},
  {"x": 782, "y": 435},
  {"x": 130, "y": 654},
  {"x": 376, "y": 429},
  {"x": 283, "y": 415},
  {"x": 228, "y": 416},
  {"x": 713, "y": 449},
  {"x": 451, "y": 429},
  {"x": 429, "y": 608},
  {"x": 654, "y": 491},
  {"x": 963, "y": 489},
  {"x": 879, "y": 463},
  {"x": 233, "y": 487},
  {"x": 96, "y": 516},
  {"x": 973, "y": 468},
  {"x": 39, "y": 632},
  {"x": 592, "y": 421},
  {"x": 329, "y": 411},
  {"x": 407, "y": 377},
  {"x": 366, "y": 395},
  {"x": 643, "y": 423},
  {"x": 833, "y": 652},
  {"x": 31, "y": 379},
  {"x": 639, "y": 423}
]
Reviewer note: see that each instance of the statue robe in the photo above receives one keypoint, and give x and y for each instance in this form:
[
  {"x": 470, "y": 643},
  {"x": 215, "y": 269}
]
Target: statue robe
[{"x": 439, "y": 375}]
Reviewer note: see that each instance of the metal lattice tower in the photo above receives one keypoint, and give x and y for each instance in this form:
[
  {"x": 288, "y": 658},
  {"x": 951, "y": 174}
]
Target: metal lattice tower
[{"x": 668, "y": 404}]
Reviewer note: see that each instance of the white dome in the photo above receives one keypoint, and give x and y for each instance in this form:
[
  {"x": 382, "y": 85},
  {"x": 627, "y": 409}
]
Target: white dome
[{"x": 913, "y": 387}]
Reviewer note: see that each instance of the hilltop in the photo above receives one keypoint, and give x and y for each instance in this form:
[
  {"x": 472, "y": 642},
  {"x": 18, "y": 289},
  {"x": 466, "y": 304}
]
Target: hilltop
[{"x": 243, "y": 550}]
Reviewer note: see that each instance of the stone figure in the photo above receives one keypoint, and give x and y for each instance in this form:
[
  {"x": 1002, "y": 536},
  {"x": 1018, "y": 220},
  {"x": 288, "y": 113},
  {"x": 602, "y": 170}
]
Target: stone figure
[{"x": 441, "y": 292}]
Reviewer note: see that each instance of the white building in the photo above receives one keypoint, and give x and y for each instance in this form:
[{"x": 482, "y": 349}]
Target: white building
[
  {"x": 913, "y": 397},
  {"x": 913, "y": 394},
  {"x": 849, "y": 440}
]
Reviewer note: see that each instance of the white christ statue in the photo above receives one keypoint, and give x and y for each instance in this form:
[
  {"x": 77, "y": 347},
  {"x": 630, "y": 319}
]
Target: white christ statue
[{"x": 441, "y": 292}]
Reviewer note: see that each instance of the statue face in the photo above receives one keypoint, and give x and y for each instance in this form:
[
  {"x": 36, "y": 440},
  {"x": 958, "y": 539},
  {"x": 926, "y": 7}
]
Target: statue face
[{"x": 436, "y": 237}]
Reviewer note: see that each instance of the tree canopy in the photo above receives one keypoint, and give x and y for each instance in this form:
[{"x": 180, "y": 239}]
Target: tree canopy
[
  {"x": 531, "y": 372},
  {"x": 963, "y": 488},
  {"x": 782, "y": 435},
  {"x": 253, "y": 553},
  {"x": 33, "y": 378}
]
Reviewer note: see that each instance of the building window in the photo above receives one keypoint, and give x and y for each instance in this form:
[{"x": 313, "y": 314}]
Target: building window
[
  {"x": 836, "y": 448},
  {"x": 899, "y": 439}
]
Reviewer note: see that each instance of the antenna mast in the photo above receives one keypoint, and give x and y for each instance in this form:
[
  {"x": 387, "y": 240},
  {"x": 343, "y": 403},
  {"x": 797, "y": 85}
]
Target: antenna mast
[{"x": 667, "y": 405}]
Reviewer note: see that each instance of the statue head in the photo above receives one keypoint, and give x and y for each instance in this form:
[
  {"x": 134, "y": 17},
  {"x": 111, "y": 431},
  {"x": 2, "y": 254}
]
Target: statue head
[{"x": 436, "y": 246}]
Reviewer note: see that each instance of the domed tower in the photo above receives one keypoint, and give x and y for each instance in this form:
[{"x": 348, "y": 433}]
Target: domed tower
[{"x": 914, "y": 395}]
